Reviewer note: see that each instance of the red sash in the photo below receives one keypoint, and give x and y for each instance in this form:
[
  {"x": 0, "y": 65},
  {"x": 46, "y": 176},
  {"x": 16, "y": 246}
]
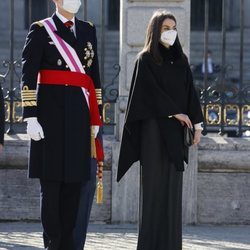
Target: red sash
[{"x": 77, "y": 79}]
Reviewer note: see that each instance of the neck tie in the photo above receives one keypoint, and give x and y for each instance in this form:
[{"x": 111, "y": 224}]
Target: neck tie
[{"x": 69, "y": 24}]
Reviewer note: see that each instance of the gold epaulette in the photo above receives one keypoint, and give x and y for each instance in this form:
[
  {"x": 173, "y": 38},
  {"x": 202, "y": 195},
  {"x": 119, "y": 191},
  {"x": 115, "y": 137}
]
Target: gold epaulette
[
  {"x": 99, "y": 96},
  {"x": 39, "y": 23},
  {"x": 90, "y": 23},
  {"x": 28, "y": 97}
]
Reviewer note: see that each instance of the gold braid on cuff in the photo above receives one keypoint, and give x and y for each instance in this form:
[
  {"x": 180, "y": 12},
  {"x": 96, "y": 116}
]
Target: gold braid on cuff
[
  {"x": 28, "y": 97},
  {"x": 99, "y": 96}
]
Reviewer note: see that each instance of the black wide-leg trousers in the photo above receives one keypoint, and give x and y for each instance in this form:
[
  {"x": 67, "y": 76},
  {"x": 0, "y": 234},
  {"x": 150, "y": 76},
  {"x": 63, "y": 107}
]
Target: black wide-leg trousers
[
  {"x": 160, "y": 226},
  {"x": 59, "y": 207}
]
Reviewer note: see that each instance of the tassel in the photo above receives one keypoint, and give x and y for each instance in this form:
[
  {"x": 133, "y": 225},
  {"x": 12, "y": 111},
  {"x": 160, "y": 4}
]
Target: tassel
[
  {"x": 93, "y": 146},
  {"x": 99, "y": 194}
]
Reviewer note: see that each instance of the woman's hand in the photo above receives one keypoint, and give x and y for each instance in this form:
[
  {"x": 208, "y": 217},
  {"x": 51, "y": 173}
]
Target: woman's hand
[
  {"x": 197, "y": 136},
  {"x": 184, "y": 119}
]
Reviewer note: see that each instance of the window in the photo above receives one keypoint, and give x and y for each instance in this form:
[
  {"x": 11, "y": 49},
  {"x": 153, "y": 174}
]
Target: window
[
  {"x": 198, "y": 14},
  {"x": 113, "y": 14},
  {"x": 36, "y": 10}
]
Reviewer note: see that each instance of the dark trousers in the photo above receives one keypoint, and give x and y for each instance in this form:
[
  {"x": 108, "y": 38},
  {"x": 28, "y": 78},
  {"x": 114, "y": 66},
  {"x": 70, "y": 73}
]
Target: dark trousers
[
  {"x": 59, "y": 207},
  {"x": 160, "y": 225},
  {"x": 86, "y": 201}
]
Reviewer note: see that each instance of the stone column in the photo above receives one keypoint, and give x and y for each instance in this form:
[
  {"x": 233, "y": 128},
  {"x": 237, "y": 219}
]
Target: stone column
[{"x": 135, "y": 15}]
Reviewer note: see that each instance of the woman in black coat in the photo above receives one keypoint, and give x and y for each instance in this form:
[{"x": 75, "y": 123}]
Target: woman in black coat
[{"x": 162, "y": 100}]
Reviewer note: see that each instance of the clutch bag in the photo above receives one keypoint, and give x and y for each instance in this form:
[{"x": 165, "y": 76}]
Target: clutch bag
[{"x": 188, "y": 136}]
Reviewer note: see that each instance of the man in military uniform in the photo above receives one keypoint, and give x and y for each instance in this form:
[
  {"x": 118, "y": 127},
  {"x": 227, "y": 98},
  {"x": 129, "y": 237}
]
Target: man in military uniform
[{"x": 60, "y": 71}]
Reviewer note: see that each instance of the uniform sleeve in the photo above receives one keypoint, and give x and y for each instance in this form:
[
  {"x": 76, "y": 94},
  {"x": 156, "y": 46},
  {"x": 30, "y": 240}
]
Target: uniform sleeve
[
  {"x": 95, "y": 73},
  {"x": 2, "y": 117},
  {"x": 31, "y": 60}
]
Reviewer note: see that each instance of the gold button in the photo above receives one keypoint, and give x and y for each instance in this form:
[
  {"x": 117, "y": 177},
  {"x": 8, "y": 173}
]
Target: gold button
[{"x": 66, "y": 85}]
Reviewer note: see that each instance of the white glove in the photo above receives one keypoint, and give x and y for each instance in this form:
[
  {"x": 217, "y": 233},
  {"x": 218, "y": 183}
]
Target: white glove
[
  {"x": 34, "y": 129},
  {"x": 96, "y": 130}
]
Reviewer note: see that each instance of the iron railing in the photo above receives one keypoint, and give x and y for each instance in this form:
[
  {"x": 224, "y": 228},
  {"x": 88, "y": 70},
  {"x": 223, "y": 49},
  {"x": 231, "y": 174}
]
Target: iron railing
[{"x": 225, "y": 99}]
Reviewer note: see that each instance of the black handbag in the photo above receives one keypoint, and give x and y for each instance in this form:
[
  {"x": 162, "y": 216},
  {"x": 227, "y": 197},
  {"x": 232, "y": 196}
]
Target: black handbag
[{"x": 188, "y": 136}]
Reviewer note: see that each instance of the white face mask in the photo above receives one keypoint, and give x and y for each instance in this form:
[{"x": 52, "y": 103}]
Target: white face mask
[
  {"x": 168, "y": 37},
  {"x": 72, "y": 6}
]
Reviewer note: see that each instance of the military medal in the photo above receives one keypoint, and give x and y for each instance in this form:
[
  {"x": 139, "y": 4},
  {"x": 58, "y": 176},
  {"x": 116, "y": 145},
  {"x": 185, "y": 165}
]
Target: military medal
[{"x": 89, "y": 54}]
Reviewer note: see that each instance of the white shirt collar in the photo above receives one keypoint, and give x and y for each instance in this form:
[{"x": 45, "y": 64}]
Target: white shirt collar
[{"x": 64, "y": 20}]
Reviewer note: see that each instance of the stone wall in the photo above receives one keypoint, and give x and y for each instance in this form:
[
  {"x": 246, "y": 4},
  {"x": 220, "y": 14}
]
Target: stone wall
[
  {"x": 20, "y": 196},
  {"x": 223, "y": 184},
  {"x": 221, "y": 196}
]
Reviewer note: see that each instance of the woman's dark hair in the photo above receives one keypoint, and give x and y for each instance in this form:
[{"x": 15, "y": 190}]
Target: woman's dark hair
[{"x": 153, "y": 36}]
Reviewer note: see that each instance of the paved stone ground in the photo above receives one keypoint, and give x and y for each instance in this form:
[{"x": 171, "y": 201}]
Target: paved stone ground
[{"x": 27, "y": 236}]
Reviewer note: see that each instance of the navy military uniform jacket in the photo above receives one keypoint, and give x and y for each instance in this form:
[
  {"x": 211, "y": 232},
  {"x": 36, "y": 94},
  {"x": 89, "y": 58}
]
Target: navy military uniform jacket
[{"x": 62, "y": 111}]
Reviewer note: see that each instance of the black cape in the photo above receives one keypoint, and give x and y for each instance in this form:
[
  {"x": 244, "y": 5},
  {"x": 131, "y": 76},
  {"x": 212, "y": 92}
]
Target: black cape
[{"x": 159, "y": 91}]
